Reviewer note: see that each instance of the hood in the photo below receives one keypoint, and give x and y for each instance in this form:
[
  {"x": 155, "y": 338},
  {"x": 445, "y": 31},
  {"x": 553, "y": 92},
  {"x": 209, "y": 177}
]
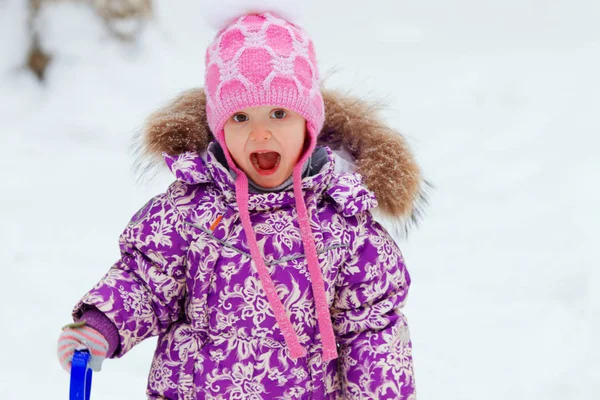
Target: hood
[{"x": 352, "y": 128}]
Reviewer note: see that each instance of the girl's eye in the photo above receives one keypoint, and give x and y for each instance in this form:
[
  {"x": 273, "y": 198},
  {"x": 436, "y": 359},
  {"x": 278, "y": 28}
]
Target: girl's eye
[
  {"x": 240, "y": 118},
  {"x": 278, "y": 114}
]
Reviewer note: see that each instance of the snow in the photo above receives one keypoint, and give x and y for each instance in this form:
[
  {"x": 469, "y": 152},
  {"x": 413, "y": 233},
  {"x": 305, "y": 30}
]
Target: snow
[
  {"x": 499, "y": 101},
  {"x": 219, "y": 15}
]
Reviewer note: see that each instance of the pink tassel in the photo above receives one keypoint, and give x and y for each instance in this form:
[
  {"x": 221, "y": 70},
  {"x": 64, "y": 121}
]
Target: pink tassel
[
  {"x": 289, "y": 334},
  {"x": 318, "y": 286}
]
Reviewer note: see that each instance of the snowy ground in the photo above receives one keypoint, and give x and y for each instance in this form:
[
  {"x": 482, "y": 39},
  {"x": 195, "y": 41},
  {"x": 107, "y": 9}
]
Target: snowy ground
[{"x": 499, "y": 100}]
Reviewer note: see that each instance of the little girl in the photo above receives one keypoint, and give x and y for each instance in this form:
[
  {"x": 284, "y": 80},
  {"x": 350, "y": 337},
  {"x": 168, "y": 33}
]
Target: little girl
[{"x": 261, "y": 269}]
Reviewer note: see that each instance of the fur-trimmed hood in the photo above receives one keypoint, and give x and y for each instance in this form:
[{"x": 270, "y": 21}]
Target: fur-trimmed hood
[{"x": 380, "y": 154}]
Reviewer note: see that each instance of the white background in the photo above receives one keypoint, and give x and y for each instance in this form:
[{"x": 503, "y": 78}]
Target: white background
[{"x": 498, "y": 99}]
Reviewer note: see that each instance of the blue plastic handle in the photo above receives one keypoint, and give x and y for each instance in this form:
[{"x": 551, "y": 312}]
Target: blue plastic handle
[{"x": 81, "y": 376}]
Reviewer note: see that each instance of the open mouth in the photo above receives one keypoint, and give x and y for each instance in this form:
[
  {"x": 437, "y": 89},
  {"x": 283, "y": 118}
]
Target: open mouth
[{"x": 265, "y": 162}]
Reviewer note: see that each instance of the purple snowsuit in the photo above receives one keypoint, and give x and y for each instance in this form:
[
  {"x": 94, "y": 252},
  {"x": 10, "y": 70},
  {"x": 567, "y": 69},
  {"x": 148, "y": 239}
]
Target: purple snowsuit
[{"x": 185, "y": 274}]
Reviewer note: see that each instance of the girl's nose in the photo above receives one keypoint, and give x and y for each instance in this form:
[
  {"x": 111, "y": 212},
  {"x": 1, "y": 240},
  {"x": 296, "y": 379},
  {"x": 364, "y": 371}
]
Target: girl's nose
[{"x": 260, "y": 133}]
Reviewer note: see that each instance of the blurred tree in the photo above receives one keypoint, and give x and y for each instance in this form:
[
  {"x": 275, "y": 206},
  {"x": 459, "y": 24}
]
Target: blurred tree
[
  {"x": 37, "y": 59},
  {"x": 124, "y": 19}
]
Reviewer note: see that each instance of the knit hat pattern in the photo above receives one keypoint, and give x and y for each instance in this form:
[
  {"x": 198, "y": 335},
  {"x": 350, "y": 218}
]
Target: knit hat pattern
[{"x": 262, "y": 60}]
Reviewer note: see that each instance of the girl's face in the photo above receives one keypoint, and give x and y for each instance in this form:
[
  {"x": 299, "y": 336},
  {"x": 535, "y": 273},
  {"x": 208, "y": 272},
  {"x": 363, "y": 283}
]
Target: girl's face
[{"x": 266, "y": 142}]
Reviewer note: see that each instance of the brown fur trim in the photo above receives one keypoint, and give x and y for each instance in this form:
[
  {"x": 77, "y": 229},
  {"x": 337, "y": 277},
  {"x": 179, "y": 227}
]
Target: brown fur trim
[
  {"x": 381, "y": 154},
  {"x": 179, "y": 127}
]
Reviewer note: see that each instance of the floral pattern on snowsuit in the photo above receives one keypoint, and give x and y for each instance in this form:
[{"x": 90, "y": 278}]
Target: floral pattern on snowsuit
[{"x": 185, "y": 275}]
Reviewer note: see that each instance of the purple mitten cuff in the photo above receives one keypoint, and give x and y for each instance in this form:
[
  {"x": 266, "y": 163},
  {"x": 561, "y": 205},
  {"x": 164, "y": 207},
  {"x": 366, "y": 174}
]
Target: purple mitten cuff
[{"x": 100, "y": 322}]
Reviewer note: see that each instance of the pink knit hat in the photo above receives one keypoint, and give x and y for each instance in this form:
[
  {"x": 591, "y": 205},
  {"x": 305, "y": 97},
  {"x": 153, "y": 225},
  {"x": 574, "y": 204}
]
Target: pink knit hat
[{"x": 262, "y": 59}]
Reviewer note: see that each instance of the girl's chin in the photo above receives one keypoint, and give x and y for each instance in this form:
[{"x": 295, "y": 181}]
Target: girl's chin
[
  {"x": 267, "y": 179},
  {"x": 267, "y": 182}
]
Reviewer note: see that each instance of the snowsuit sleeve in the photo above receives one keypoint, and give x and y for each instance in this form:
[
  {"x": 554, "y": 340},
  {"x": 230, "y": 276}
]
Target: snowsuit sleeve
[
  {"x": 375, "y": 355},
  {"x": 143, "y": 292}
]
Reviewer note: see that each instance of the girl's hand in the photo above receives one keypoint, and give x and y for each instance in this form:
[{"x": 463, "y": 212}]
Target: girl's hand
[{"x": 77, "y": 336}]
